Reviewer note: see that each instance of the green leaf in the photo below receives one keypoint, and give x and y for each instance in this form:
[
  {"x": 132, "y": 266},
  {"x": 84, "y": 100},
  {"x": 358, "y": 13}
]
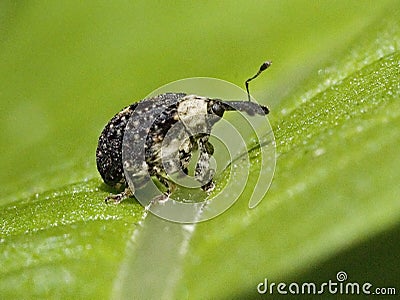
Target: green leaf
[
  {"x": 335, "y": 185},
  {"x": 334, "y": 89}
]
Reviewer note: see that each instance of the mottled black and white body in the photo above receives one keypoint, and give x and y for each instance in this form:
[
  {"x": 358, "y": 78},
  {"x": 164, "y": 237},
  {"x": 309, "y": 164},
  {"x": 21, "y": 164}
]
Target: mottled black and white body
[
  {"x": 158, "y": 136},
  {"x": 152, "y": 120}
]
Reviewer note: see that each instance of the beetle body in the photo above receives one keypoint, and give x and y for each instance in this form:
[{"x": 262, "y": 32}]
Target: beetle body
[
  {"x": 153, "y": 150},
  {"x": 157, "y": 137}
]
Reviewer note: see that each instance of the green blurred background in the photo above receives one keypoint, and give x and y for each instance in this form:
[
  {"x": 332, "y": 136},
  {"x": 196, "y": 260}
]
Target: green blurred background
[{"x": 66, "y": 67}]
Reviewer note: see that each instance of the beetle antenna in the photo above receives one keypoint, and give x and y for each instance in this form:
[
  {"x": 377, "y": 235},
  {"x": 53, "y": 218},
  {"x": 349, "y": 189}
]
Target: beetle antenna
[{"x": 263, "y": 67}]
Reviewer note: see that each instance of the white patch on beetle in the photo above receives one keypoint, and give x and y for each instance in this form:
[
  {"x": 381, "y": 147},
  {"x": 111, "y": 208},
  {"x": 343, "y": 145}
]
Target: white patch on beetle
[{"x": 192, "y": 111}]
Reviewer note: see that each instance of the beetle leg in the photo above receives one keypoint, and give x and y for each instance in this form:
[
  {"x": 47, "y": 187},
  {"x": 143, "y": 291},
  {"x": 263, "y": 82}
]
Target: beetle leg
[
  {"x": 203, "y": 172},
  {"x": 118, "y": 198},
  {"x": 170, "y": 189},
  {"x": 185, "y": 153},
  {"x": 209, "y": 186}
]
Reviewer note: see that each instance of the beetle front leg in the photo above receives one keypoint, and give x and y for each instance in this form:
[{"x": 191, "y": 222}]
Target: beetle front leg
[{"x": 203, "y": 173}]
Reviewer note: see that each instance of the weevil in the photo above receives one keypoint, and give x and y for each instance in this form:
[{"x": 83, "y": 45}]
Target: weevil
[{"x": 149, "y": 121}]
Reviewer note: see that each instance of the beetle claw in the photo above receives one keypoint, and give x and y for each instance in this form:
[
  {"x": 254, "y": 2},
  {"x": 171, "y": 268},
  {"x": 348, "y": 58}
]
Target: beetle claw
[
  {"x": 160, "y": 198},
  {"x": 118, "y": 198}
]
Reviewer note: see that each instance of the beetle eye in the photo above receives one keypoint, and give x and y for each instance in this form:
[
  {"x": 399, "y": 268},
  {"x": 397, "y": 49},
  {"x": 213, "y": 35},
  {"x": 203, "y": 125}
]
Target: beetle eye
[{"x": 218, "y": 109}]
